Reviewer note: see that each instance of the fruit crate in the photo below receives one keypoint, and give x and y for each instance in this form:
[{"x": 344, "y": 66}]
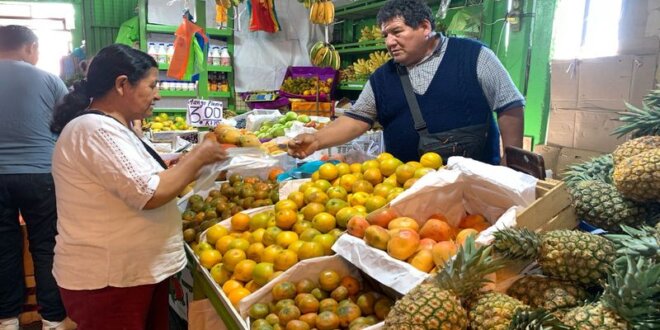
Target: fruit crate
[
  {"x": 551, "y": 210},
  {"x": 311, "y": 72},
  {"x": 323, "y": 109}
]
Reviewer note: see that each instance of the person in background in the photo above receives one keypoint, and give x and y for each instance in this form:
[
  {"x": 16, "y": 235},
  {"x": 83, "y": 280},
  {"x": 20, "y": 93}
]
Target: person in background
[
  {"x": 457, "y": 83},
  {"x": 120, "y": 235},
  {"x": 27, "y": 98}
]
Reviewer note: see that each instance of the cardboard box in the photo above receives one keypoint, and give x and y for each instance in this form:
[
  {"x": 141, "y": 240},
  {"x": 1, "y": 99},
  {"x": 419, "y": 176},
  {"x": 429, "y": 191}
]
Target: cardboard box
[
  {"x": 605, "y": 82},
  {"x": 589, "y": 129},
  {"x": 564, "y": 82},
  {"x": 550, "y": 155},
  {"x": 570, "y": 156},
  {"x": 561, "y": 127}
]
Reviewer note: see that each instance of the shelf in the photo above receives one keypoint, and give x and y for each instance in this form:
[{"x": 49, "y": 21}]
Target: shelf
[
  {"x": 220, "y": 95},
  {"x": 163, "y": 66},
  {"x": 219, "y": 32},
  {"x": 170, "y": 29},
  {"x": 165, "y": 93},
  {"x": 219, "y": 68},
  {"x": 360, "y": 47},
  {"x": 351, "y": 85}
]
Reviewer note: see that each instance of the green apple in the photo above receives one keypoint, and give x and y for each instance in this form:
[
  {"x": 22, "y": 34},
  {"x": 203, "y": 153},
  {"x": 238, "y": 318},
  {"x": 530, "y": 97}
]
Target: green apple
[
  {"x": 288, "y": 124},
  {"x": 291, "y": 116},
  {"x": 303, "y": 118},
  {"x": 282, "y": 120}
]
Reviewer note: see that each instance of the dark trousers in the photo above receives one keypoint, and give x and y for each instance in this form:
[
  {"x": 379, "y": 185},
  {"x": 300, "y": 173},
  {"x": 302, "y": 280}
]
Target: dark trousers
[
  {"x": 143, "y": 307},
  {"x": 33, "y": 195}
]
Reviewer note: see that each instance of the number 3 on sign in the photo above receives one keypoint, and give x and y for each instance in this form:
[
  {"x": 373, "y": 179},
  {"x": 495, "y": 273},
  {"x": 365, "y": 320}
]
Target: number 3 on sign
[{"x": 204, "y": 113}]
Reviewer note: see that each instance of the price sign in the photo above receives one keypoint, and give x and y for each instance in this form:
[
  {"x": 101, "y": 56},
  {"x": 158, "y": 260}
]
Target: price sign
[{"x": 204, "y": 113}]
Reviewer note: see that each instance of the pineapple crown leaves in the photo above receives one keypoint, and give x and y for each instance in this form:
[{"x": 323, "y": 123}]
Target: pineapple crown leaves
[
  {"x": 598, "y": 168},
  {"x": 464, "y": 274},
  {"x": 516, "y": 243},
  {"x": 641, "y": 122},
  {"x": 633, "y": 292},
  {"x": 636, "y": 242},
  {"x": 538, "y": 319}
]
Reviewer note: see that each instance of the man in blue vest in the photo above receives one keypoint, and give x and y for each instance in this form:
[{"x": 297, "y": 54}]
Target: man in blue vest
[{"x": 457, "y": 83}]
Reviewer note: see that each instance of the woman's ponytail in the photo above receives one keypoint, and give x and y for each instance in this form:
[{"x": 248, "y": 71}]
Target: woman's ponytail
[{"x": 71, "y": 106}]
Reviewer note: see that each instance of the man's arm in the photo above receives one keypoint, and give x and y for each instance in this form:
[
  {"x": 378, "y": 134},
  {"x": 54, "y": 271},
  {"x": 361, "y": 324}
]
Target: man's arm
[
  {"x": 511, "y": 127},
  {"x": 340, "y": 131}
]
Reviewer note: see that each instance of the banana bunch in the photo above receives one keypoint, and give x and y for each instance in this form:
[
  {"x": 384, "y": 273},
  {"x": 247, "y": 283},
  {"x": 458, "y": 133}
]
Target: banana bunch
[
  {"x": 228, "y": 3},
  {"x": 370, "y": 33},
  {"x": 376, "y": 59},
  {"x": 364, "y": 68},
  {"x": 361, "y": 68},
  {"x": 322, "y": 12},
  {"x": 324, "y": 55},
  {"x": 347, "y": 74}
]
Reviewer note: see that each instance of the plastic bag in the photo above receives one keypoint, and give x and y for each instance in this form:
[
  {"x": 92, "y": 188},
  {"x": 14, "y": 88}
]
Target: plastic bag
[{"x": 243, "y": 158}]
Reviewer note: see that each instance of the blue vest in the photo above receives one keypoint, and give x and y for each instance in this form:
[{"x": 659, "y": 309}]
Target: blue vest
[{"x": 453, "y": 100}]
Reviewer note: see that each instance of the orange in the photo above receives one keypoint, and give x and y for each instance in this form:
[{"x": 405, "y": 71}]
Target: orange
[
  {"x": 208, "y": 258},
  {"x": 312, "y": 209},
  {"x": 328, "y": 305},
  {"x": 270, "y": 253},
  {"x": 235, "y": 296},
  {"x": 327, "y": 321},
  {"x": 315, "y": 176},
  {"x": 360, "y": 208},
  {"x": 305, "y": 185},
  {"x": 464, "y": 234},
  {"x": 246, "y": 235},
  {"x": 409, "y": 183},
  {"x": 285, "y": 260},
  {"x": 298, "y": 197},
  {"x": 295, "y": 246},
  {"x": 328, "y": 171},
  {"x": 326, "y": 241},
  {"x": 343, "y": 215},
  {"x": 301, "y": 225},
  {"x": 308, "y": 234},
  {"x": 346, "y": 181},
  {"x": 305, "y": 286},
  {"x": 373, "y": 176},
  {"x": 285, "y": 238},
  {"x": 343, "y": 168},
  {"x": 383, "y": 156},
  {"x": 337, "y": 192},
  {"x": 275, "y": 275},
  {"x": 307, "y": 303},
  {"x": 388, "y": 166},
  {"x": 243, "y": 270},
  {"x": 358, "y": 198},
  {"x": 336, "y": 233},
  {"x": 329, "y": 280},
  {"x": 324, "y": 222},
  {"x": 362, "y": 186},
  {"x": 262, "y": 273},
  {"x": 339, "y": 294},
  {"x": 404, "y": 172},
  {"x": 366, "y": 303},
  {"x": 240, "y": 222},
  {"x": 356, "y": 168},
  {"x": 375, "y": 202},
  {"x": 222, "y": 244},
  {"x": 350, "y": 283},
  {"x": 285, "y": 218},
  {"x": 258, "y": 235},
  {"x": 258, "y": 311},
  {"x": 392, "y": 180},
  {"x": 219, "y": 274},
  {"x": 232, "y": 258},
  {"x": 215, "y": 232},
  {"x": 288, "y": 313},
  {"x": 284, "y": 290},
  {"x": 259, "y": 220},
  {"x": 382, "y": 307},
  {"x": 274, "y": 172},
  {"x": 239, "y": 243},
  {"x": 286, "y": 204},
  {"x": 420, "y": 172},
  {"x": 315, "y": 195},
  {"x": 372, "y": 163},
  {"x": 255, "y": 251},
  {"x": 347, "y": 313},
  {"x": 334, "y": 205},
  {"x": 322, "y": 184},
  {"x": 231, "y": 285},
  {"x": 432, "y": 160},
  {"x": 297, "y": 325},
  {"x": 415, "y": 164},
  {"x": 310, "y": 250},
  {"x": 383, "y": 189},
  {"x": 270, "y": 236}
]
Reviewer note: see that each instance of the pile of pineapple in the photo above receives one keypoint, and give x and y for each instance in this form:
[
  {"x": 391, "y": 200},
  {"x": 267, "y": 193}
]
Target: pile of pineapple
[{"x": 583, "y": 280}]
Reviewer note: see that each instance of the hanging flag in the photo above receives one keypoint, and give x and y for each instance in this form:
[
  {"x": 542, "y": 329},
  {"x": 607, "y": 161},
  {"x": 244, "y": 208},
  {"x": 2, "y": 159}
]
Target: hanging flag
[
  {"x": 263, "y": 16},
  {"x": 188, "y": 50}
]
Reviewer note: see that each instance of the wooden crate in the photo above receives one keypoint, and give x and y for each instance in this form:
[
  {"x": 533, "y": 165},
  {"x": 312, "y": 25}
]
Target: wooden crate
[{"x": 551, "y": 210}]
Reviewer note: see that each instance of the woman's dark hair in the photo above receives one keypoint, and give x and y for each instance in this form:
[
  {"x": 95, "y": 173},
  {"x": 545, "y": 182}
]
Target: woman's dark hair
[
  {"x": 413, "y": 12},
  {"x": 110, "y": 63},
  {"x": 13, "y": 37}
]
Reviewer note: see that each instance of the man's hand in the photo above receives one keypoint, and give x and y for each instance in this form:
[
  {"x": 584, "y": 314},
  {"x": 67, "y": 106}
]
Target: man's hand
[{"x": 303, "y": 145}]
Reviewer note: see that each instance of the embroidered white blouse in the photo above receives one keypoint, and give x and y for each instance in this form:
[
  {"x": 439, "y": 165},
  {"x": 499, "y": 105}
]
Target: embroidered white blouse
[{"x": 103, "y": 178}]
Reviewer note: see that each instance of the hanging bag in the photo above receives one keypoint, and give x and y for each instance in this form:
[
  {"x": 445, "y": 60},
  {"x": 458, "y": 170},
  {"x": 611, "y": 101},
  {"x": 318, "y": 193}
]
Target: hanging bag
[{"x": 468, "y": 141}]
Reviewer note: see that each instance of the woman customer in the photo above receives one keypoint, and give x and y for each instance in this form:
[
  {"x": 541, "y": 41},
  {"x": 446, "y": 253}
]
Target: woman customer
[{"x": 119, "y": 229}]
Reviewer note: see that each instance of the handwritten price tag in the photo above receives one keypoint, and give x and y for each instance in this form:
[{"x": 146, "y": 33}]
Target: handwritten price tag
[{"x": 204, "y": 113}]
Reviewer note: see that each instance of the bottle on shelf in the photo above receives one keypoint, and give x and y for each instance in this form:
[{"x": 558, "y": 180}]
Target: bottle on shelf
[
  {"x": 224, "y": 83},
  {"x": 152, "y": 51},
  {"x": 169, "y": 53},
  {"x": 213, "y": 85},
  {"x": 215, "y": 56},
  {"x": 162, "y": 53},
  {"x": 225, "y": 59}
]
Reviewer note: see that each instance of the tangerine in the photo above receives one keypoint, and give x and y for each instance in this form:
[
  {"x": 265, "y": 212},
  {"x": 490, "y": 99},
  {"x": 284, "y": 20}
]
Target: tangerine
[
  {"x": 329, "y": 280},
  {"x": 219, "y": 274},
  {"x": 343, "y": 168},
  {"x": 285, "y": 218},
  {"x": 286, "y": 204},
  {"x": 231, "y": 285},
  {"x": 232, "y": 258},
  {"x": 324, "y": 222},
  {"x": 209, "y": 258},
  {"x": 312, "y": 209},
  {"x": 298, "y": 198},
  {"x": 383, "y": 156},
  {"x": 243, "y": 270},
  {"x": 432, "y": 160},
  {"x": 215, "y": 232},
  {"x": 262, "y": 272},
  {"x": 235, "y": 296},
  {"x": 284, "y": 290},
  {"x": 255, "y": 251},
  {"x": 310, "y": 250},
  {"x": 240, "y": 221},
  {"x": 350, "y": 283},
  {"x": 285, "y": 260},
  {"x": 222, "y": 244},
  {"x": 327, "y": 321},
  {"x": 328, "y": 171},
  {"x": 270, "y": 252}
]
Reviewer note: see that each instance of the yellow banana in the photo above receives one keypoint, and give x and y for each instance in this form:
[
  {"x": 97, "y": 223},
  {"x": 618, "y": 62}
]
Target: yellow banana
[
  {"x": 320, "y": 13},
  {"x": 312, "y": 12},
  {"x": 329, "y": 12}
]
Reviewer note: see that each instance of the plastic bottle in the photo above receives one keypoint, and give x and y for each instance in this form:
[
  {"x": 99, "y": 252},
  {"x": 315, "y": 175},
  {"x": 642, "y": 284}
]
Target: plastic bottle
[
  {"x": 162, "y": 53},
  {"x": 169, "y": 53},
  {"x": 215, "y": 56},
  {"x": 152, "y": 51},
  {"x": 225, "y": 59}
]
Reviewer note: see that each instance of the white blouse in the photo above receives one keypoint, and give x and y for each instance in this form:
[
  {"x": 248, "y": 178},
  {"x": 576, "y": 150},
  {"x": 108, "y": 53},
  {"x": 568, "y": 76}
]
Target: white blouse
[{"x": 103, "y": 178}]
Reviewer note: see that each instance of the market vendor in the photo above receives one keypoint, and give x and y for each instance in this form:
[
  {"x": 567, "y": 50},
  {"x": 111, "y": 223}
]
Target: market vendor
[
  {"x": 119, "y": 230},
  {"x": 457, "y": 84}
]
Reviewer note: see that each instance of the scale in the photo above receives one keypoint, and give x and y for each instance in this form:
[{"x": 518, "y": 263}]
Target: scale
[{"x": 261, "y": 97}]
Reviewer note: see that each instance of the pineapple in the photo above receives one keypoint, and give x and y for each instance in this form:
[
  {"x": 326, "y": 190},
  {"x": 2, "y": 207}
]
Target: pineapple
[
  {"x": 602, "y": 205},
  {"x": 538, "y": 319},
  {"x": 547, "y": 293},
  {"x": 644, "y": 121},
  {"x": 641, "y": 242},
  {"x": 569, "y": 255},
  {"x": 493, "y": 310},
  {"x": 437, "y": 303},
  {"x": 638, "y": 177},
  {"x": 635, "y": 147},
  {"x": 630, "y": 299},
  {"x": 599, "y": 169}
]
